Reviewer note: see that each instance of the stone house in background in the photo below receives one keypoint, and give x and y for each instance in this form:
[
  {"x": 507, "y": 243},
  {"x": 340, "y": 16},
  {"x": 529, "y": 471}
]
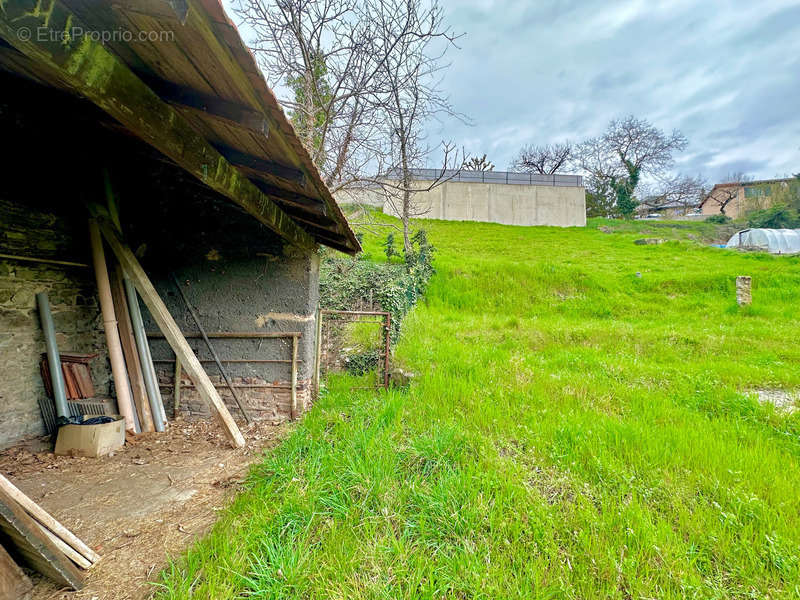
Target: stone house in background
[
  {"x": 737, "y": 198},
  {"x": 173, "y": 127}
]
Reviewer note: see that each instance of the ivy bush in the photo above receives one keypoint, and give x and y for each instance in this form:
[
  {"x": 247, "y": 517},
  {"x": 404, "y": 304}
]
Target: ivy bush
[{"x": 392, "y": 286}]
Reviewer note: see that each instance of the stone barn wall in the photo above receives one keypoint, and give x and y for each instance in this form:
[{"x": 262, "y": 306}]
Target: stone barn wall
[
  {"x": 239, "y": 275},
  {"x": 48, "y": 230}
]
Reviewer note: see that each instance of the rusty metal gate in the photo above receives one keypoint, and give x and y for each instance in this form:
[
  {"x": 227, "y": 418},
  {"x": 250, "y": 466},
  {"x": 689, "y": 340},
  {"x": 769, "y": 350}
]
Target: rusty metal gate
[{"x": 331, "y": 329}]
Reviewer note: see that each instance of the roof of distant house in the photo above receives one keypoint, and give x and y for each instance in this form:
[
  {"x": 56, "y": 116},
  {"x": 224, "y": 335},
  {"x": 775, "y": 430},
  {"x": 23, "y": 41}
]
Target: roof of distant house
[{"x": 754, "y": 182}]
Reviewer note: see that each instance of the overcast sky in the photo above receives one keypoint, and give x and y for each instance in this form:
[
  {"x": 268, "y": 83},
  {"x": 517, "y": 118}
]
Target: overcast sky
[{"x": 727, "y": 74}]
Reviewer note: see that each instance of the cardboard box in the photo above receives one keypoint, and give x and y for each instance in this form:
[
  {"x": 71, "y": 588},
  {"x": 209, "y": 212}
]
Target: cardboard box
[{"x": 91, "y": 440}]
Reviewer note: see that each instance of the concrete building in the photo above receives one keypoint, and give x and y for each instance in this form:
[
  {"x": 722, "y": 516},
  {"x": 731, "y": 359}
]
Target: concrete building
[
  {"x": 489, "y": 196},
  {"x": 182, "y": 143},
  {"x": 735, "y": 199}
]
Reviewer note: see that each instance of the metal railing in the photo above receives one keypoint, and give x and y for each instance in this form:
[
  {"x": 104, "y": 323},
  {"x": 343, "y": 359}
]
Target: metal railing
[{"x": 504, "y": 177}]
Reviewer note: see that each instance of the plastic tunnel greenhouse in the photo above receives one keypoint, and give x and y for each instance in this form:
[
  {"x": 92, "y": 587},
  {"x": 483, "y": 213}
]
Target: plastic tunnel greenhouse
[{"x": 775, "y": 241}]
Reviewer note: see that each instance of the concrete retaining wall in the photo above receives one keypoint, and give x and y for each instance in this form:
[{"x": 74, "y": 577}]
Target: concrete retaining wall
[{"x": 500, "y": 203}]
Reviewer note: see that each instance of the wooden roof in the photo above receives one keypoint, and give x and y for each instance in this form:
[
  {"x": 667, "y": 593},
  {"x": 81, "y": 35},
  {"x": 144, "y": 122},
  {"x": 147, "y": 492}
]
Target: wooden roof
[{"x": 177, "y": 74}]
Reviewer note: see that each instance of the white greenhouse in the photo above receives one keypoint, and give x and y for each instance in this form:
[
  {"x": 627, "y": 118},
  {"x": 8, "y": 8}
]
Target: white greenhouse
[{"x": 775, "y": 241}]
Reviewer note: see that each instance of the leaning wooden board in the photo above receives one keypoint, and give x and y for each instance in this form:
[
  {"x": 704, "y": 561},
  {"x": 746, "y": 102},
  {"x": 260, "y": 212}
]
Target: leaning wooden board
[
  {"x": 172, "y": 333},
  {"x": 14, "y": 584},
  {"x": 33, "y": 546}
]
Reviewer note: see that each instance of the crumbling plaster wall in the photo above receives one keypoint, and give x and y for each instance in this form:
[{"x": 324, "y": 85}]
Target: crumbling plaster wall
[{"x": 240, "y": 277}]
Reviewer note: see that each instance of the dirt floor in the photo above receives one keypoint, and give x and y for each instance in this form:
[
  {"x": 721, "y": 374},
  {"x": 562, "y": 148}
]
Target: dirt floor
[{"x": 147, "y": 501}]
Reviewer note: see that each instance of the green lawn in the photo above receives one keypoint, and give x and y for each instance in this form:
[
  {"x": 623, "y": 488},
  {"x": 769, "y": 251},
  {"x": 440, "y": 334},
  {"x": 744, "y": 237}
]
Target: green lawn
[{"x": 575, "y": 431}]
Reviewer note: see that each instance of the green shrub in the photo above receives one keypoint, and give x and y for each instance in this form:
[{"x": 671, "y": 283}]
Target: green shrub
[
  {"x": 779, "y": 216},
  {"x": 719, "y": 219}
]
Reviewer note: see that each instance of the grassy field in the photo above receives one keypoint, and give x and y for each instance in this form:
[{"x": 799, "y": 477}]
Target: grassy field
[{"x": 575, "y": 431}]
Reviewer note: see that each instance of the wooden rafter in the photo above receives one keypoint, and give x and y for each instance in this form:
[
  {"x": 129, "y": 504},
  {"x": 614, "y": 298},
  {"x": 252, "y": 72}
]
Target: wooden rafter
[
  {"x": 231, "y": 112},
  {"x": 260, "y": 165},
  {"x": 91, "y": 70}
]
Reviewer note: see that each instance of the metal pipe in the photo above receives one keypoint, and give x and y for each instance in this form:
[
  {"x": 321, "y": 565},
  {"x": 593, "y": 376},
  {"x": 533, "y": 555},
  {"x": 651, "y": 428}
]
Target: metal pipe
[
  {"x": 294, "y": 379},
  {"x": 150, "y": 383},
  {"x": 53, "y": 358},
  {"x": 238, "y": 335},
  {"x": 222, "y": 370},
  {"x": 176, "y": 392},
  {"x": 386, "y": 351},
  {"x": 317, "y": 353},
  {"x": 152, "y": 368}
]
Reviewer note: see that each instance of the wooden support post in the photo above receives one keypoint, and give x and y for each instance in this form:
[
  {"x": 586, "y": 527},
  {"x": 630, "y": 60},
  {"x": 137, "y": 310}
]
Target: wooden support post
[
  {"x": 172, "y": 333},
  {"x": 176, "y": 388},
  {"x": 124, "y": 401},
  {"x": 129, "y": 350},
  {"x": 294, "y": 411},
  {"x": 317, "y": 353}
]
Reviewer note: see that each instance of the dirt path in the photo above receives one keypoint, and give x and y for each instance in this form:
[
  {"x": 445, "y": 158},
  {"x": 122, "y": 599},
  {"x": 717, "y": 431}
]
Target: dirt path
[{"x": 148, "y": 501}]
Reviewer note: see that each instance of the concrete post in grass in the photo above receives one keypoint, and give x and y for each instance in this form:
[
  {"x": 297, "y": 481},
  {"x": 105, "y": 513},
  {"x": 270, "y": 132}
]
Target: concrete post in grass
[{"x": 743, "y": 296}]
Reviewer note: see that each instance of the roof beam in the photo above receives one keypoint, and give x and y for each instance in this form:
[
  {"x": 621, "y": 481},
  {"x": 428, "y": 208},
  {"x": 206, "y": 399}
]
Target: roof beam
[
  {"x": 92, "y": 71},
  {"x": 288, "y": 197},
  {"x": 307, "y": 216},
  {"x": 260, "y": 165},
  {"x": 236, "y": 114}
]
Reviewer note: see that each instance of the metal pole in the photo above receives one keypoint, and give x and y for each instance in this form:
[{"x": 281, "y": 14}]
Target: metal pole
[
  {"x": 294, "y": 378},
  {"x": 53, "y": 358},
  {"x": 318, "y": 354},
  {"x": 176, "y": 388},
  {"x": 386, "y": 352},
  {"x": 150, "y": 382},
  {"x": 213, "y": 352}
]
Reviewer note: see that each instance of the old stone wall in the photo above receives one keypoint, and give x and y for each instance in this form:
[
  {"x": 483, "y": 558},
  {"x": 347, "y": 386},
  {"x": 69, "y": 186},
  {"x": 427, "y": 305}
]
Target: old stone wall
[
  {"x": 48, "y": 233},
  {"x": 238, "y": 275}
]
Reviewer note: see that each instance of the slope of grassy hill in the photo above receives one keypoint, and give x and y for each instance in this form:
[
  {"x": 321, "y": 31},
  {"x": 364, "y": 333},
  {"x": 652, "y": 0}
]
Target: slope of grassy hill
[{"x": 575, "y": 430}]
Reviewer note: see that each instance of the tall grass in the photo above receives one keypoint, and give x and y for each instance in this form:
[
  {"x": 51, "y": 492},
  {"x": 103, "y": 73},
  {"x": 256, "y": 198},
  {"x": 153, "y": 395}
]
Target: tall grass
[{"x": 575, "y": 430}]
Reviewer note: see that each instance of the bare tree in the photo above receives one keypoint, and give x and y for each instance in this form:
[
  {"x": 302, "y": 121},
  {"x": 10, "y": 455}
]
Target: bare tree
[
  {"x": 476, "y": 163},
  {"x": 545, "y": 160},
  {"x": 329, "y": 60},
  {"x": 674, "y": 191},
  {"x": 410, "y": 98},
  {"x": 629, "y": 150},
  {"x": 634, "y": 141},
  {"x": 723, "y": 195}
]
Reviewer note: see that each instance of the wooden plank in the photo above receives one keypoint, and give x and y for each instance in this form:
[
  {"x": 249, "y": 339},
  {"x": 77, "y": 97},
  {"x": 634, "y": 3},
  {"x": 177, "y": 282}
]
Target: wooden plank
[
  {"x": 14, "y": 584},
  {"x": 35, "y": 549},
  {"x": 172, "y": 333},
  {"x": 92, "y": 71},
  {"x": 120, "y": 375},
  {"x": 46, "y": 519},
  {"x": 69, "y": 552},
  {"x": 129, "y": 350}
]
